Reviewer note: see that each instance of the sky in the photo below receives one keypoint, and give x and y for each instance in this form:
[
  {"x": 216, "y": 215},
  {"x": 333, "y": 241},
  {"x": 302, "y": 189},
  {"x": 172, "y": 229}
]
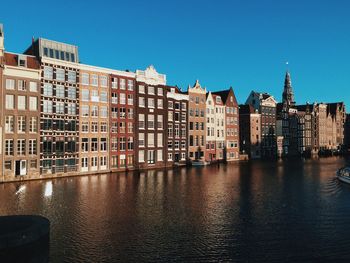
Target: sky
[{"x": 240, "y": 43}]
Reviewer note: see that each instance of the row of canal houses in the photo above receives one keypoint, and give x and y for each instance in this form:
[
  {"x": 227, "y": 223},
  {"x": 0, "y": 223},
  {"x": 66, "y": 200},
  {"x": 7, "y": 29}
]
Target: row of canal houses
[{"x": 61, "y": 117}]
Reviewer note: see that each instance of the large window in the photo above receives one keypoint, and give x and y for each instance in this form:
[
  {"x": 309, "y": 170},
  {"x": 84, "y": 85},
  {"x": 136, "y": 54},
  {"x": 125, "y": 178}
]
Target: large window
[
  {"x": 94, "y": 80},
  {"x": 21, "y": 102},
  {"x": 103, "y": 144},
  {"x": 141, "y": 121},
  {"x": 9, "y": 123},
  {"x": 9, "y": 147},
  {"x": 60, "y": 91},
  {"x": 60, "y": 107},
  {"x": 48, "y": 89},
  {"x": 60, "y": 74},
  {"x": 130, "y": 85},
  {"x": 103, "y": 96},
  {"x": 94, "y": 126},
  {"x": 21, "y": 147},
  {"x": 141, "y": 139},
  {"x": 47, "y": 106},
  {"x": 32, "y": 146},
  {"x": 103, "y": 112},
  {"x": 71, "y": 108},
  {"x": 9, "y": 102},
  {"x": 84, "y": 110},
  {"x": 150, "y": 140},
  {"x": 21, "y": 124},
  {"x": 10, "y": 84},
  {"x": 103, "y": 81},
  {"x": 94, "y": 145},
  {"x": 150, "y": 122},
  {"x": 151, "y": 157},
  {"x": 72, "y": 93},
  {"x": 48, "y": 72},
  {"x": 85, "y": 78},
  {"x": 33, "y": 86},
  {"x": 85, "y": 95},
  {"x": 72, "y": 76},
  {"x": 22, "y": 85}
]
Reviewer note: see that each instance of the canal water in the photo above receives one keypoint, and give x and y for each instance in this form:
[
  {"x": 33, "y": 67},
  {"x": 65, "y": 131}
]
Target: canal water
[{"x": 286, "y": 211}]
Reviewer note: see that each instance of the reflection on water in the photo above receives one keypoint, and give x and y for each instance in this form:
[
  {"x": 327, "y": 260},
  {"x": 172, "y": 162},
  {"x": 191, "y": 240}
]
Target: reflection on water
[{"x": 256, "y": 211}]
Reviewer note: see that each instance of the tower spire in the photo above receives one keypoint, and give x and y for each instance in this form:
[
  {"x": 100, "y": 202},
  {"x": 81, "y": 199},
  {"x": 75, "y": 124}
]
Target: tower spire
[{"x": 288, "y": 94}]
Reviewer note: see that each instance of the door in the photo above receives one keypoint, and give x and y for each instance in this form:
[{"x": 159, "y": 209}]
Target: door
[
  {"x": 23, "y": 168},
  {"x": 18, "y": 168}
]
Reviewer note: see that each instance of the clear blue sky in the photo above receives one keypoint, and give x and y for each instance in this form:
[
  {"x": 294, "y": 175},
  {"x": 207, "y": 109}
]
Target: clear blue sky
[{"x": 238, "y": 43}]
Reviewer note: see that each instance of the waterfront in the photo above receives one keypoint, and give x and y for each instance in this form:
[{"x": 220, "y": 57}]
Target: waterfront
[{"x": 242, "y": 212}]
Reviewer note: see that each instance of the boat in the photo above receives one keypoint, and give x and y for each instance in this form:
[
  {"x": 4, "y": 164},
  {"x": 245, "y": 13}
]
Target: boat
[
  {"x": 343, "y": 174},
  {"x": 199, "y": 163}
]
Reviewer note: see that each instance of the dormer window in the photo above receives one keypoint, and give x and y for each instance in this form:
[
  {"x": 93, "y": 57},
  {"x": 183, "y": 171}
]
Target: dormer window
[{"x": 22, "y": 61}]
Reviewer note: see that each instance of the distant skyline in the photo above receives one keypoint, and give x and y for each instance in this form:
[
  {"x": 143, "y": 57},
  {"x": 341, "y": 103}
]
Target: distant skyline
[{"x": 243, "y": 44}]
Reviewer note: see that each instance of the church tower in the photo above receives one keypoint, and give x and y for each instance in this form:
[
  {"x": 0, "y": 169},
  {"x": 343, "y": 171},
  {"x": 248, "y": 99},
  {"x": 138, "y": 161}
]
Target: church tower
[{"x": 288, "y": 95}]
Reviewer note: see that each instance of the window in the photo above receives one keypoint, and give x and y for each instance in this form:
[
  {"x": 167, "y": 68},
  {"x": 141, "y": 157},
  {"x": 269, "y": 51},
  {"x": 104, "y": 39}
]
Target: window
[
  {"x": 72, "y": 76},
  {"x": 130, "y": 113},
  {"x": 22, "y": 85},
  {"x": 150, "y": 121},
  {"x": 130, "y": 85},
  {"x": 170, "y": 116},
  {"x": 33, "y": 103},
  {"x": 60, "y": 91},
  {"x": 114, "y": 98},
  {"x": 122, "y": 84},
  {"x": 103, "y": 144},
  {"x": 160, "y": 104},
  {"x": 170, "y": 105},
  {"x": 121, "y": 127},
  {"x": 103, "y": 112},
  {"x": 160, "y": 91},
  {"x": 150, "y": 102},
  {"x": 8, "y": 165},
  {"x": 122, "y": 113},
  {"x": 141, "y": 102},
  {"x": 47, "y": 106},
  {"x": 150, "y": 140},
  {"x": 160, "y": 121},
  {"x": 122, "y": 98},
  {"x": 103, "y": 96},
  {"x": 103, "y": 127},
  {"x": 72, "y": 93},
  {"x": 84, "y": 162},
  {"x": 9, "y": 123},
  {"x": 9, "y": 147},
  {"x": 103, "y": 81},
  {"x": 85, "y": 126},
  {"x": 114, "y": 83},
  {"x": 150, "y": 157},
  {"x": 85, "y": 95},
  {"x": 48, "y": 72},
  {"x": 151, "y": 90},
  {"x": 160, "y": 139},
  {"x": 183, "y": 106},
  {"x": 60, "y": 107},
  {"x": 141, "y": 121},
  {"x": 159, "y": 155},
  {"x": 10, "y": 84},
  {"x": 32, "y": 146},
  {"x": 71, "y": 108},
  {"x": 103, "y": 161},
  {"x": 142, "y": 89},
  {"x": 130, "y": 127},
  {"x": 141, "y": 139},
  {"x": 130, "y": 143},
  {"x": 122, "y": 144},
  {"x": 114, "y": 144},
  {"x": 170, "y": 130},
  {"x": 21, "y": 147},
  {"x": 141, "y": 156},
  {"x": 94, "y": 111},
  {"x": 84, "y": 110},
  {"x": 48, "y": 90},
  {"x": 21, "y": 102},
  {"x": 130, "y": 99},
  {"x": 94, "y": 145},
  {"x": 94, "y": 126},
  {"x": 85, "y": 78},
  {"x": 60, "y": 125},
  {"x": 33, "y": 86},
  {"x": 9, "y": 102},
  {"x": 60, "y": 74}
]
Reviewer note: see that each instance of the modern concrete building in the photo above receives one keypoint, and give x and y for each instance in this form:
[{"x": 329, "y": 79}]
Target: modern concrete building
[
  {"x": 231, "y": 150},
  {"x": 250, "y": 131},
  {"x": 59, "y": 119},
  {"x": 150, "y": 118},
  {"x": 177, "y": 128},
  {"x": 265, "y": 104},
  {"x": 196, "y": 119}
]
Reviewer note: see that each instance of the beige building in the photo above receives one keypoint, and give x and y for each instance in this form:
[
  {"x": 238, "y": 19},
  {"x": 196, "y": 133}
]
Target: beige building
[
  {"x": 197, "y": 132},
  {"x": 94, "y": 119},
  {"x": 210, "y": 143},
  {"x": 220, "y": 127},
  {"x": 21, "y": 116}
]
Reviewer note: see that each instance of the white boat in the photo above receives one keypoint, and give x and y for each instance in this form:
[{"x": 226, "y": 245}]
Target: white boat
[
  {"x": 343, "y": 174},
  {"x": 198, "y": 163}
]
